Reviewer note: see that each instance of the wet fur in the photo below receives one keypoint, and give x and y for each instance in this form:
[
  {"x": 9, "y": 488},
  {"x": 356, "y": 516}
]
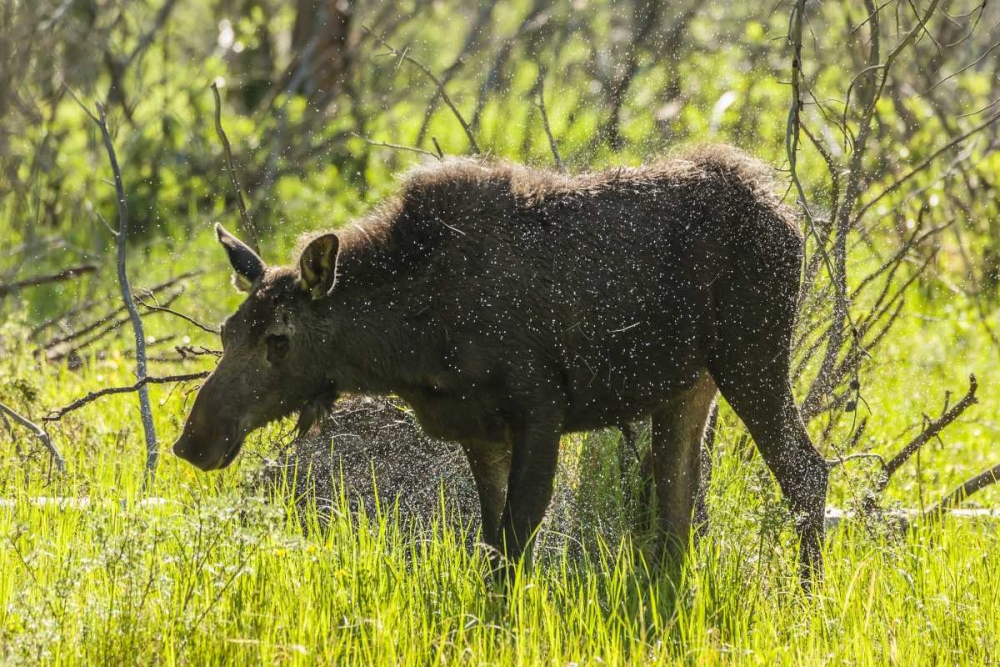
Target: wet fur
[{"x": 509, "y": 305}]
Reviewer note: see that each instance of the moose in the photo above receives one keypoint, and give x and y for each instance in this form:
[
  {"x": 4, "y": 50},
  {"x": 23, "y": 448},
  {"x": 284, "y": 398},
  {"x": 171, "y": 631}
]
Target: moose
[{"x": 509, "y": 305}]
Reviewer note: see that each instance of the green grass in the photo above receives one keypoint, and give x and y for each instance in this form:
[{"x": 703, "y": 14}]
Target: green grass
[{"x": 219, "y": 574}]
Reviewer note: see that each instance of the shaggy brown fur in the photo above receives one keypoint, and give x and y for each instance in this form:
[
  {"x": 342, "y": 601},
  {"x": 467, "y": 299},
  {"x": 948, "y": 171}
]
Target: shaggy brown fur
[{"x": 508, "y": 305}]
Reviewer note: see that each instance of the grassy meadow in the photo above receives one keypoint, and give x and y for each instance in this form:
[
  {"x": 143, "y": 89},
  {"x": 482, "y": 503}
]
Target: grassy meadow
[{"x": 98, "y": 567}]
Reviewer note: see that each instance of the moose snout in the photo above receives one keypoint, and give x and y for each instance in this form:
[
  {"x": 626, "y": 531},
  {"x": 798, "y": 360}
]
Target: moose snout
[{"x": 211, "y": 446}]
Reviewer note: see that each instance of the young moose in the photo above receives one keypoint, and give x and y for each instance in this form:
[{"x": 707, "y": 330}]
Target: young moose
[{"x": 508, "y": 306}]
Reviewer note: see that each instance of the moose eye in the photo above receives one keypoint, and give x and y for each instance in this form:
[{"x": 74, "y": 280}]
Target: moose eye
[{"x": 277, "y": 347}]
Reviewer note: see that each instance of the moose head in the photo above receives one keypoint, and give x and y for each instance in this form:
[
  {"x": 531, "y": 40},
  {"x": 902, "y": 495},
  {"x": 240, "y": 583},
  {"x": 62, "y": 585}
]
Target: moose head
[{"x": 268, "y": 368}]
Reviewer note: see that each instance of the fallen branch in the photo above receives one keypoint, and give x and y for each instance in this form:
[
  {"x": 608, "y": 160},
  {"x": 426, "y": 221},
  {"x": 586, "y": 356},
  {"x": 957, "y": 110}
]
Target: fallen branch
[
  {"x": 35, "y": 281},
  {"x": 248, "y": 228},
  {"x": 56, "y": 415},
  {"x": 965, "y": 489},
  {"x": 39, "y": 433}
]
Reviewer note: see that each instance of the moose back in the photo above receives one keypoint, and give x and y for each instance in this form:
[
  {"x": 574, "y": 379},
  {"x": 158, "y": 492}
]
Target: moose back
[{"x": 509, "y": 305}]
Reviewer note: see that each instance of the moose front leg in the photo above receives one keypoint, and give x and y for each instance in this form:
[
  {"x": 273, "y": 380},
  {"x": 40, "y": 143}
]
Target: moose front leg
[
  {"x": 490, "y": 465},
  {"x": 535, "y": 452}
]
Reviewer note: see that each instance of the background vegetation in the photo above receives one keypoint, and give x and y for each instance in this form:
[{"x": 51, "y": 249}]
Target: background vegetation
[{"x": 883, "y": 119}]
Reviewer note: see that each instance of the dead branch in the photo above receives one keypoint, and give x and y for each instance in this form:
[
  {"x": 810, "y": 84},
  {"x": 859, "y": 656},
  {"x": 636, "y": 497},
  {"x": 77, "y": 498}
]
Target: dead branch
[
  {"x": 58, "y": 351},
  {"x": 402, "y": 55},
  {"x": 927, "y": 162},
  {"x": 111, "y": 316},
  {"x": 959, "y": 495},
  {"x": 55, "y": 415},
  {"x": 145, "y": 408},
  {"x": 35, "y": 281},
  {"x": 39, "y": 433},
  {"x": 88, "y": 305},
  {"x": 201, "y": 351},
  {"x": 187, "y": 318},
  {"x": 248, "y": 229},
  {"x": 473, "y": 42},
  {"x": 398, "y": 147},
  {"x": 930, "y": 431}
]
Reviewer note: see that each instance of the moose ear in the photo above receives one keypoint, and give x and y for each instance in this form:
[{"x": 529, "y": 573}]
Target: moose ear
[
  {"x": 318, "y": 265},
  {"x": 248, "y": 266}
]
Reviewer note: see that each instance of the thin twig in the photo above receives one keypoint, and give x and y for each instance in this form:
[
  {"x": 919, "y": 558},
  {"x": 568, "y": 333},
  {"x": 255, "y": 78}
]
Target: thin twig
[
  {"x": 186, "y": 318},
  {"x": 248, "y": 228},
  {"x": 402, "y": 55},
  {"x": 398, "y": 147},
  {"x": 56, "y": 415},
  {"x": 39, "y": 433},
  {"x": 545, "y": 121}
]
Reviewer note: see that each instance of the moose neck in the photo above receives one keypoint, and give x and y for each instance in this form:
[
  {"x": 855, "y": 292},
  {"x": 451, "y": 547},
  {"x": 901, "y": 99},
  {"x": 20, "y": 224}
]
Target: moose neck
[{"x": 370, "y": 314}]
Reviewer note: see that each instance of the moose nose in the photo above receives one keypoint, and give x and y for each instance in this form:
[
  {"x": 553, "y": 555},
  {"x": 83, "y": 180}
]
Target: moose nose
[{"x": 185, "y": 449}]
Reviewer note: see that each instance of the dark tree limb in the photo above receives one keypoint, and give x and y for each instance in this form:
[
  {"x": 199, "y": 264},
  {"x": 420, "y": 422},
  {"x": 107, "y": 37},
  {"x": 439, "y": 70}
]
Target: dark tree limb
[
  {"x": 540, "y": 89},
  {"x": 38, "y": 432},
  {"x": 142, "y": 384}
]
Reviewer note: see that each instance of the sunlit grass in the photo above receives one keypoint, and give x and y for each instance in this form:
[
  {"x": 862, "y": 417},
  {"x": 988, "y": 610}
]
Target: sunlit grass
[{"x": 221, "y": 573}]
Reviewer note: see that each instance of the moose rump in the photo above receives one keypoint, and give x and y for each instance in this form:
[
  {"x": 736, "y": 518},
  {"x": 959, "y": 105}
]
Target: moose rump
[{"x": 509, "y": 305}]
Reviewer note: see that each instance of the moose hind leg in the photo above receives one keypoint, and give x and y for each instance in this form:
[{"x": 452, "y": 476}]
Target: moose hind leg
[
  {"x": 677, "y": 434},
  {"x": 768, "y": 410}
]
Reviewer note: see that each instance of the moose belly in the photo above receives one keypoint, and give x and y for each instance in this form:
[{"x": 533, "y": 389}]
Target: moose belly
[
  {"x": 457, "y": 418},
  {"x": 629, "y": 378}
]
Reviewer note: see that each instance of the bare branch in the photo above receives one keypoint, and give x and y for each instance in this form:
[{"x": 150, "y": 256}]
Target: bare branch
[
  {"x": 402, "y": 55},
  {"x": 959, "y": 495},
  {"x": 145, "y": 408},
  {"x": 895, "y": 185},
  {"x": 186, "y": 318},
  {"x": 139, "y": 386},
  {"x": 201, "y": 351},
  {"x": 398, "y": 147},
  {"x": 931, "y": 431},
  {"x": 540, "y": 87}
]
